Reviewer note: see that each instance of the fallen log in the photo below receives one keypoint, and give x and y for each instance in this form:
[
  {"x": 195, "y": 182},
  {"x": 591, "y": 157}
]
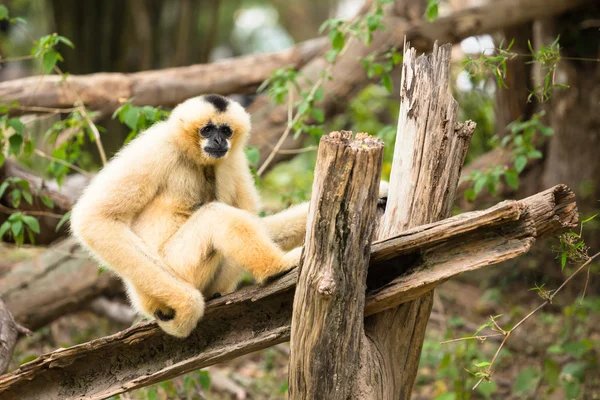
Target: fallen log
[
  {"x": 62, "y": 280},
  {"x": 256, "y": 317},
  {"x": 105, "y": 92}
]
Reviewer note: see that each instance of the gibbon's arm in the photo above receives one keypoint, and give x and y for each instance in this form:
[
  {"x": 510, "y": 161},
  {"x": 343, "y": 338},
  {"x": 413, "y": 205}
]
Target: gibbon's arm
[{"x": 101, "y": 220}]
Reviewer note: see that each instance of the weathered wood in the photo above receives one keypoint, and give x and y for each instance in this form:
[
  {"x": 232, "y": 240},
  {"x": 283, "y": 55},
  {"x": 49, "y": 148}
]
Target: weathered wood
[
  {"x": 257, "y": 317},
  {"x": 428, "y": 157},
  {"x": 327, "y": 322},
  {"x": 61, "y": 280},
  {"x": 165, "y": 87},
  {"x": 8, "y": 336}
]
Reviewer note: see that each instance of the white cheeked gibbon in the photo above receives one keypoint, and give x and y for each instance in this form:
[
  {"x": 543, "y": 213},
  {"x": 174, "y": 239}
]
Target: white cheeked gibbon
[{"x": 174, "y": 214}]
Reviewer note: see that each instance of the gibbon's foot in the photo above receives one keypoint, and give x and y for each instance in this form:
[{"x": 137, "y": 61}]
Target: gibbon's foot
[
  {"x": 165, "y": 316},
  {"x": 186, "y": 312},
  {"x": 277, "y": 276},
  {"x": 291, "y": 259}
]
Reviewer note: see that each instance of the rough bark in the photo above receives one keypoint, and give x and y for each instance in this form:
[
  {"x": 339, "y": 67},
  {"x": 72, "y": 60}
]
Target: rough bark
[
  {"x": 349, "y": 75},
  {"x": 9, "y": 331},
  {"x": 327, "y": 321},
  {"x": 428, "y": 157},
  {"x": 61, "y": 280},
  {"x": 165, "y": 87},
  {"x": 259, "y": 317}
]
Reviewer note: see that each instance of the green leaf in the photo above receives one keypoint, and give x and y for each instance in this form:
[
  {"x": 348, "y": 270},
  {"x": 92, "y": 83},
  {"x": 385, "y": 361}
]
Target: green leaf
[
  {"x": 551, "y": 372},
  {"x": 535, "y": 154},
  {"x": 15, "y": 143},
  {"x": 386, "y": 81},
  {"x": 16, "y": 197},
  {"x": 432, "y": 10},
  {"x": 2, "y": 158},
  {"x": 66, "y": 41},
  {"x": 204, "y": 380},
  {"x": 16, "y": 228},
  {"x": 337, "y": 40},
  {"x": 526, "y": 380},
  {"x": 49, "y": 60},
  {"x": 575, "y": 370},
  {"x": 130, "y": 118},
  {"x": 47, "y": 201},
  {"x": 487, "y": 389},
  {"x": 572, "y": 389},
  {"x": 585, "y": 221},
  {"x": 3, "y": 188},
  {"x": 253, "y": 155},
  {"x": 479, "y": 184},
  {"x": 16, "y": 124},
  {"x": 563, "y": 260},
  {"x": 520, "y": 163},
  {"x": 4, "y": 228},
  {"x": 29, "y": 147},
  {"x": 318, "y": 115},
  {"x": 32, "y": 223},
  {"x": 470, "y": 194},
  {"x": 319, "y": 94},
  {"x": 64, "y": 219},
  {"x": 512, "y": 178},
  {"x": 27, "y": 196},
  {"x": 3, "y": 12},
  {"x": 483, "y": 364}
]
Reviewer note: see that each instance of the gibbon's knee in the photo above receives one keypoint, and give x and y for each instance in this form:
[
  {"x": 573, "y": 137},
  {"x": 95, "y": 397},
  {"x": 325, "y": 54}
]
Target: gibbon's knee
[{"x": 288, "y": 227}]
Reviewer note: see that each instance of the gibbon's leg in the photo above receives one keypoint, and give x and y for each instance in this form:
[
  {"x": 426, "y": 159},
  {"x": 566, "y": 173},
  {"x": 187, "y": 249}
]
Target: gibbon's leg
[
  {"x": 217, "y": 230},
  {"x": 226, "y": 279},
  {"x": 288, "y": 227}
]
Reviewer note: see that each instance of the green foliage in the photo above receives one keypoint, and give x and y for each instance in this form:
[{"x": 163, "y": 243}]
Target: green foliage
[
  {"x": 382, "y": 68},
  {"x": 522, "y": 139},
  {"x": 495, "y": 64},
  {"x": 19, "y": 224},
  {"x": 548, "y": 57},
  {"x": 138, "y": 119},
  {"x": 431, "y": 12},
  {"x": 20, "y": 190},
  {"x": 45, "y": 50}
]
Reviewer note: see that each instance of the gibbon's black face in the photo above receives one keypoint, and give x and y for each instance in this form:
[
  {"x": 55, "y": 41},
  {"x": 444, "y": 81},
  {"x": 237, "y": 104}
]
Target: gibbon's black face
[{"x": 217, "y": 143}]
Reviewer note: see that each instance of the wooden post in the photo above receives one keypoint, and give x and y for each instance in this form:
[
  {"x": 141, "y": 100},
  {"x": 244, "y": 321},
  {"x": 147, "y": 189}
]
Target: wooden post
[
  {"x": 327, "y": 319},
  {"x": 428, "y": 157}
]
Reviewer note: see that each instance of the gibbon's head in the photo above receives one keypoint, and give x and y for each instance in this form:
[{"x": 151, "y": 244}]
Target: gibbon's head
[{"x": 208, "y": 128}]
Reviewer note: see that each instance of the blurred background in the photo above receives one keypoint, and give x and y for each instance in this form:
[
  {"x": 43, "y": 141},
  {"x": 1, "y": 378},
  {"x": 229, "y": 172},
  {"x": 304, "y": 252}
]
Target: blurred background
[{"x": 532, "y": 84}]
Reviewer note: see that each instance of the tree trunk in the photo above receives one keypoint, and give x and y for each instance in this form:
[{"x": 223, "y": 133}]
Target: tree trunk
[
  {"x": 428, "y": 157},
  {"x": 327, "y": 320}
]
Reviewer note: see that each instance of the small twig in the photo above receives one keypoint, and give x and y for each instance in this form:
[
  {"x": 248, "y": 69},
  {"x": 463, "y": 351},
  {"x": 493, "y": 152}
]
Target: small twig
[
  {"x": 7, "y": 210},
  {"x": 96, "y": 134},
  {"x": 587, "y": 281},
  {"x": 46, "y": 109},
  {"x": 479, "y": 337},
  {"x": 63, "y": 162},
  {"x": 12, "y": 59},
  {"x": 546, "y": 302},
  {"x": 298, "y": 151}
]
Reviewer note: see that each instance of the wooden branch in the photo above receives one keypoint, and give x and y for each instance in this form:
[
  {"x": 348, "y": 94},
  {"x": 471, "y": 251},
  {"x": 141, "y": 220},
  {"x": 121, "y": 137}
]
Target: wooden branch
[
  {"x": 330, "y": 294},
  {"x": 166, "y": 87},
  {"x": 259, "y": 317},
  {"x": 270, "y": 121},
  {"x": 60, "y": 281}
]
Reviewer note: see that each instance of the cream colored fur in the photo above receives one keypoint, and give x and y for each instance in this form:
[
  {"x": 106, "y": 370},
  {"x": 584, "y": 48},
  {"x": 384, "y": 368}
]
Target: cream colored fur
[{"x": 177, "y": 225}]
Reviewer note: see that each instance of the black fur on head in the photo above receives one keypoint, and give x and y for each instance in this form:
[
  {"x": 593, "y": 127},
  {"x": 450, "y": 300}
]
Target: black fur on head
[{"x": 218, "y": 101}]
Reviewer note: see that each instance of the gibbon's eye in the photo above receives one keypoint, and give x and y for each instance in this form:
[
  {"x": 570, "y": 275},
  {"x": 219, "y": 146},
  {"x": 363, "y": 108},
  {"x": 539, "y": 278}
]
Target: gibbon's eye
[
  {"x": 206, "y": 130},
  {"x": 226, "y": 131}
]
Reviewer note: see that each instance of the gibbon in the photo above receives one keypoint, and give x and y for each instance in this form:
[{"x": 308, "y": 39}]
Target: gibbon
[{"x": 174, "y": 214}]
